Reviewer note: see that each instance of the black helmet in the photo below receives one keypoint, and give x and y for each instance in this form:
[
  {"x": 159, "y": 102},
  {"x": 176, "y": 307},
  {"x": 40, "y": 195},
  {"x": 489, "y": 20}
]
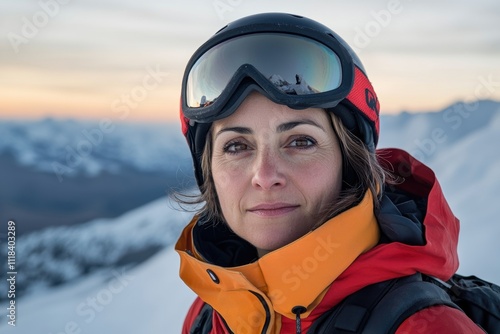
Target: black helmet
[{"x": 292, "y": 60}]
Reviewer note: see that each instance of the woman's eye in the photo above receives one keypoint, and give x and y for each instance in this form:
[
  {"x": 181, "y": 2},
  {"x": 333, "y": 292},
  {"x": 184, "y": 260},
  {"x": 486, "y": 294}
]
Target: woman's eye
[
  {"x": 302, "y": 142},
  {"x": 233, "y": 148}
]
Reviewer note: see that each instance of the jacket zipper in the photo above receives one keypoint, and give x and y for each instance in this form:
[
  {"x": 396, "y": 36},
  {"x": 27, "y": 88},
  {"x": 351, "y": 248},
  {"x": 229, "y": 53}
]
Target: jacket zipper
[{"x": 266, "y": 308}]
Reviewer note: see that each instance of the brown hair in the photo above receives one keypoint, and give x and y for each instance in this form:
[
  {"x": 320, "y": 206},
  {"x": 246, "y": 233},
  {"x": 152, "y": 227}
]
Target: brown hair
[{"x": 361, "y": 172}]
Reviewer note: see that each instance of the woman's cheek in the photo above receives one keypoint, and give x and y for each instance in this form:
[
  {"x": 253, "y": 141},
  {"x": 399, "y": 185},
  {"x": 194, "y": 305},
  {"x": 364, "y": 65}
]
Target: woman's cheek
[{"x": 227, "y": 173}]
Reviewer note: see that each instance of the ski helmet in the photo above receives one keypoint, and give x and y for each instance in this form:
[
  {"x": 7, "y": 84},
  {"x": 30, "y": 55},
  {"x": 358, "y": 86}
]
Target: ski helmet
[{"x": 290, "y": 59}]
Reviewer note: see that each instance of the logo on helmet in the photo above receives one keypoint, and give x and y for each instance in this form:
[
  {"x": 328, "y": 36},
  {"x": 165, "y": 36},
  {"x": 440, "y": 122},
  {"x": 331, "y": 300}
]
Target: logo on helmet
[{"x": 371, "y": 100}]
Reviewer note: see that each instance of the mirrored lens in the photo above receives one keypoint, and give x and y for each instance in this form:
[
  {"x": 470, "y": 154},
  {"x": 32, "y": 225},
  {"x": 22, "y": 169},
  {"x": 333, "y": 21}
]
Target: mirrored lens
[{"x": 294, "y": 64}]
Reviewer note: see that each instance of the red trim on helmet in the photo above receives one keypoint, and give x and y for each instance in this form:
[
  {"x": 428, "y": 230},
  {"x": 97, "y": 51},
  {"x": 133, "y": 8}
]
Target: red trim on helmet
[{"x": 363, "y": 96}]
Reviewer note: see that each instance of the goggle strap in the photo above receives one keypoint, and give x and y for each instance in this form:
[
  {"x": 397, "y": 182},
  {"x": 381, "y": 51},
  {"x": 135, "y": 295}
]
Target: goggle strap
[{"x": 363, "y": 97}]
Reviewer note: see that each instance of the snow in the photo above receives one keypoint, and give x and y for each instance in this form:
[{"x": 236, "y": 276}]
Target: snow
[
  {"x": 61, "y": 254},
  {"x": 150, "y": 298}
]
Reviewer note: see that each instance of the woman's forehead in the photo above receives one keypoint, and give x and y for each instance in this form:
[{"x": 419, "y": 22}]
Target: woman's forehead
[{"x": 259, "y": 111}]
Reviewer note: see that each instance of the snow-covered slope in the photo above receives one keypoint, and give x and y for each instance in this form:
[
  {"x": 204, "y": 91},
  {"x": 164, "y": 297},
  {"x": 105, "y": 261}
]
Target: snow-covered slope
[
  {"x": 148, "y": 299},
  {"x": 58, "y": 255},
  {"x": 108, "y": 290}
]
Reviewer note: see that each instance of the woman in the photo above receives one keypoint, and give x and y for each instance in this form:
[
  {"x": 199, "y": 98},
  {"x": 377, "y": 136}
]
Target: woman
[{"x": 298, "y": 213}]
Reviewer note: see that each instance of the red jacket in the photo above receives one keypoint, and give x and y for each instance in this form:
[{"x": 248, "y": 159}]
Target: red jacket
[{"x": 317, "y": 271}]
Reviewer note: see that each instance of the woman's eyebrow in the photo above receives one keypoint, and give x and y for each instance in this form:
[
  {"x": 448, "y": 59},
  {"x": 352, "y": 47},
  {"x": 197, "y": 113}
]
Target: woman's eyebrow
[
  {"x": 280, "y": 128},
  {"x": 238, "y": 129},
  {"x": 290, "y": 125}
]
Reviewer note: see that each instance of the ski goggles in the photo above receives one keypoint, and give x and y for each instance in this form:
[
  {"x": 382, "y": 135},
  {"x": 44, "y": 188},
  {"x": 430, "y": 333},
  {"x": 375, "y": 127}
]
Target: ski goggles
[{"x": 293, "y": 70}]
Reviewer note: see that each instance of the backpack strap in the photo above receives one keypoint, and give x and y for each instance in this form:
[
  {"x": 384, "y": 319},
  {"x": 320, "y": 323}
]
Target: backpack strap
[
  {"x": 381, "y": 307},
  {"x": 478, "y": 298},
  {"x": 203, "y": 322},
  {"x": 404, "y": 300}
]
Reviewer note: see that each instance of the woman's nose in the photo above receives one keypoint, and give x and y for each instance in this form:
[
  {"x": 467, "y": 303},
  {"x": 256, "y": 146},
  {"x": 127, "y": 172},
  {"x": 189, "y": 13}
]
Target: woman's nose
[{"x": 268, "y": 172}]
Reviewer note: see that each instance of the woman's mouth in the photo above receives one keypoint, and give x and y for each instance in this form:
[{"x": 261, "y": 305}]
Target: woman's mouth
[{"x": 272, "y": 209}]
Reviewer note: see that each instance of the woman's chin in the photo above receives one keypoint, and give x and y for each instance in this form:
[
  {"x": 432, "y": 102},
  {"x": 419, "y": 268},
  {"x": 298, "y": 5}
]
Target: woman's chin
[{"x": 274, "y": 239}]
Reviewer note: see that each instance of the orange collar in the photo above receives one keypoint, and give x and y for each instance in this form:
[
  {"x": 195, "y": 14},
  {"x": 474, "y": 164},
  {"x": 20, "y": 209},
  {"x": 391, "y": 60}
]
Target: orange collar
[{"x": 297, "y": 274}]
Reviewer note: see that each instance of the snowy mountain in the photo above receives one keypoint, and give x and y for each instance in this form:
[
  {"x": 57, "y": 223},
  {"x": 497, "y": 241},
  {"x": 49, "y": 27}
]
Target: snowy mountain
[
  {"x": 57, "y": 172},
  {"x": 109, "y": 289},
  {"x": 300, "y": 86},
  {"x": 427, "y": 134},
  {"x": 70, "y": 147}
]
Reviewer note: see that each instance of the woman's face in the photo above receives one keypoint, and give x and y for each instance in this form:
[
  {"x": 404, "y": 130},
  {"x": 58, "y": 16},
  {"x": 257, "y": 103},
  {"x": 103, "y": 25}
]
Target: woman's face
[{"x": 275, "y": 169}]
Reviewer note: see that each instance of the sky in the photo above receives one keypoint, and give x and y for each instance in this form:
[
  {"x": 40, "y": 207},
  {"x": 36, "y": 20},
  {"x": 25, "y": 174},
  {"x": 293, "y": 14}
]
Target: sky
[{"x": 124, "y": 59}]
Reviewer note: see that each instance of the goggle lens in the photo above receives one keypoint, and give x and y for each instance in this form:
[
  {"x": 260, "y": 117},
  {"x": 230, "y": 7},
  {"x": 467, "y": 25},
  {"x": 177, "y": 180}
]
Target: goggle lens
[{"x": 294, "y": 64}]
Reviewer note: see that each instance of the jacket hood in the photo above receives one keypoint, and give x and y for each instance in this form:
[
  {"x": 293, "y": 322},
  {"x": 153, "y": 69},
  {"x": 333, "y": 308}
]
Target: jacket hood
[
  {"x": 419, "y": 232},
  {"x": 413, "y": 231}
]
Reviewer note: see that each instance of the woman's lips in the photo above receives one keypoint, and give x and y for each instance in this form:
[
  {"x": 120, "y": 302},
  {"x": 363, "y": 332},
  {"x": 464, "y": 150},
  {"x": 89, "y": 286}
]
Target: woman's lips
[{"x": 272, "y": 209}]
